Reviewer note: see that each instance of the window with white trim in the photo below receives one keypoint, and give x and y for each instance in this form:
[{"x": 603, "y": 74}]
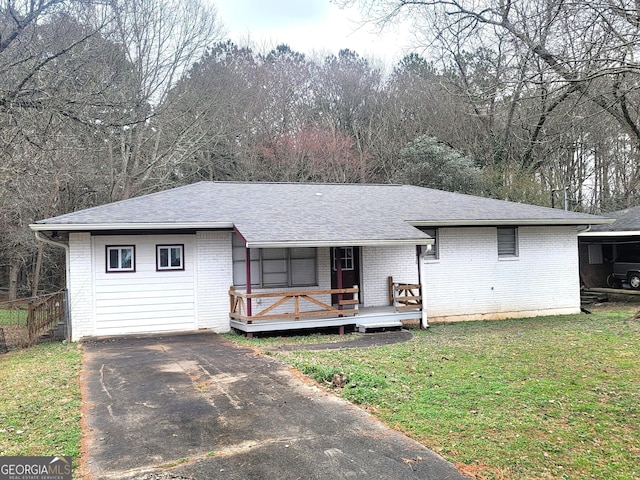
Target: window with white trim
[
  {"x": 169, "y": 257},
  {"x": 507, "y": 242},
  {"x": 346, "y": 258},
  {"x": 275, "y": 267},
  {"x": 120, "y": 258}
]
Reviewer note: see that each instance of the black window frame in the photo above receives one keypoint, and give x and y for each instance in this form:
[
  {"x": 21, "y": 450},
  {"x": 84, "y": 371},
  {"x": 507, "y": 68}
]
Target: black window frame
[{"x": 169, "y": 247}]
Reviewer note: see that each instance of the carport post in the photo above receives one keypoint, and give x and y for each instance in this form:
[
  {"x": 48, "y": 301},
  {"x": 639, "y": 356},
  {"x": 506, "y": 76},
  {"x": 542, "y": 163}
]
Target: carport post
[{"x": 248, "y": 271}]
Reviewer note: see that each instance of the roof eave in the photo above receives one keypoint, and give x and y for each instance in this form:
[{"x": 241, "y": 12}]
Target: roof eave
[
  {"x": 615, "y": 233},
  {"x": 90, "y": 227},
  {"x": 493, "y": 223},
  {"x": 340, "y": 243}
]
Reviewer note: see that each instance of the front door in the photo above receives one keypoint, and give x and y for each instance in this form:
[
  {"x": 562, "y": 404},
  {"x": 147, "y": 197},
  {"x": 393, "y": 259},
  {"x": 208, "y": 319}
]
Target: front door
[{"x": 345, "y": 270}]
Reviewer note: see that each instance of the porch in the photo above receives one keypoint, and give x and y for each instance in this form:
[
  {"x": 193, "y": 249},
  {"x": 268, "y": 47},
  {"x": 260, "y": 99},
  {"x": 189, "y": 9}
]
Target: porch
[{"x": 297, "y": 310}]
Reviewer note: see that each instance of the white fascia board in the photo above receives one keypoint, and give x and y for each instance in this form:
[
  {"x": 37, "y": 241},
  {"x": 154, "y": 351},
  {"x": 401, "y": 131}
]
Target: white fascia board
[
  {"x": 340, "y": 243},
  {"x": 493, "y": 223},
  {"x": 620, "y": 233},
  {"x": 76, "y": 227}
]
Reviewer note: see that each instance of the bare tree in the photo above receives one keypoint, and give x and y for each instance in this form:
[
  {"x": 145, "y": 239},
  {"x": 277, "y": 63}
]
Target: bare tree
[
  {"x": 161, "y": 39},
  {"x": 552, "y": 54}
]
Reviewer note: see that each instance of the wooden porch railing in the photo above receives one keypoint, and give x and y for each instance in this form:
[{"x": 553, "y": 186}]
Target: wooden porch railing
[
  {"x": 407, "y": 297},
  {"x": 44, "y": 313},
  {"x": 239, "y": 300}
]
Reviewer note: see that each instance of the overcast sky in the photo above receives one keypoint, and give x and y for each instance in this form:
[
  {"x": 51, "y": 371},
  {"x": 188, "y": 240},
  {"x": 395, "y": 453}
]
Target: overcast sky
[{"x": 308, "y": 26}]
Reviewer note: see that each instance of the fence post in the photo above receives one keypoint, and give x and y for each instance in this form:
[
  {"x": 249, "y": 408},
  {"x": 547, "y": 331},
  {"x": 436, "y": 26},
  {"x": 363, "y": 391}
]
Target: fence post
[
  {"x": 31, "y": 320},
  {"x": 3, "y": 342}
]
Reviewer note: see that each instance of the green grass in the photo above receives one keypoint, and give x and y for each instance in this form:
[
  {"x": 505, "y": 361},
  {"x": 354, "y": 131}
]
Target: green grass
[
  {"x": 13, "y": 317},
  {"x": 519, "y": 399},
  {"x": 40, "y": 401}
]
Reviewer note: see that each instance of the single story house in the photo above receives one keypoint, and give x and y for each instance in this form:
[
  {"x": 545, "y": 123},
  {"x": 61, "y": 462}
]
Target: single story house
[
  {"x": 601, "y": 245},
  {"x": 277, "y": 256}
]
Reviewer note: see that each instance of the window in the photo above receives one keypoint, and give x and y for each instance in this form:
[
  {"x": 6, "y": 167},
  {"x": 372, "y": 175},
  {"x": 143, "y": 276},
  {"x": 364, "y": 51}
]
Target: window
[
  {"x": 346, "y": 259},
  {"x": 507, "y": 242},
  {"x": 275, "y": 267},
  {"x": 121, "y": 258},
  {"x": 595, "y": 254},
  {"x": 169, "y": 257},
  {"x": 431, "y": 254}
]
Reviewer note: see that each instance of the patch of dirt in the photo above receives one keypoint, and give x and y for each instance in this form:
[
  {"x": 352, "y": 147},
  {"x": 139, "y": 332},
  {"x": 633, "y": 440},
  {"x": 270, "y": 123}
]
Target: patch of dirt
[
  {"x": 16, "y": 336},
  {"x": 362, "y": 340},
  {"x": 606, "y": 307},
  {"x": 161, "y": 476},
  {"x": 482, "y": 471}
]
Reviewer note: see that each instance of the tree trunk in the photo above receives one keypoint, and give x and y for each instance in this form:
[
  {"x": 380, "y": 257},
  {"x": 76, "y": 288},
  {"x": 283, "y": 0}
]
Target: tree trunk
[
  {"x": 36, "y": 270},
  {"x": 14, "y": 269}
]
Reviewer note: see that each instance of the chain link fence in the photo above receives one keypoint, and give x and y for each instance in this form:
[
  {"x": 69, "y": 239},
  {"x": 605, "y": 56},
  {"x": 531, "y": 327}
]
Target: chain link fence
[{"x": 28, "y": 321}]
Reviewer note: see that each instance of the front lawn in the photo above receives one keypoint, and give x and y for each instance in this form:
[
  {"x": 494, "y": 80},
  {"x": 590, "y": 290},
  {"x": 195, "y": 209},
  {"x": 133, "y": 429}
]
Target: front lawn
[
  {"x": 40, "y": 401},
  {"x": 535, "y": 398}
]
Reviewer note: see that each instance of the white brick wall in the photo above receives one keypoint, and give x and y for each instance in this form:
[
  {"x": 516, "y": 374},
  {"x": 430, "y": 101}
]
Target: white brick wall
[
  {"x": 468, "y": 281},
  {"x": 215, "y": 276},
  {"x": 80, "y": 285},
  {"x": 380, "y": 263}
]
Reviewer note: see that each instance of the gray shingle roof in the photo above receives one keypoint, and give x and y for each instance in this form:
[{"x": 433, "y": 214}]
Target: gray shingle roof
[
  {"x": 294, "y": 212},
  {"x": 627, "y": 220}
]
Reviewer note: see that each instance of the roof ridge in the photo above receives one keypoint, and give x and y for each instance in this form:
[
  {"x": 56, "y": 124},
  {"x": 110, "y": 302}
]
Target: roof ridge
[{"x": 364, "y": 184}]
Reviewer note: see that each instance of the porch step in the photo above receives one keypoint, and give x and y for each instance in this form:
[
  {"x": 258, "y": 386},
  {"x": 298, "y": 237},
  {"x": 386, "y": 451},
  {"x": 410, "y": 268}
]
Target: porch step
[
  {"x": 364, "y": 326},
  {"x": 588, "y": 297}
]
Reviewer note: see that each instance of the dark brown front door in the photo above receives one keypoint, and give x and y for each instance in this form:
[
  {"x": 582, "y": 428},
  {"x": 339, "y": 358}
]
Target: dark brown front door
[{"x": 345, "y": 273}]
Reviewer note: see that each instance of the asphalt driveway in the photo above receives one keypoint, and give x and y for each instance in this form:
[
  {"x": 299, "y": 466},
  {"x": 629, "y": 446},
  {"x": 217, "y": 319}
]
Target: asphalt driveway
[{"x": 197, "y": 406}]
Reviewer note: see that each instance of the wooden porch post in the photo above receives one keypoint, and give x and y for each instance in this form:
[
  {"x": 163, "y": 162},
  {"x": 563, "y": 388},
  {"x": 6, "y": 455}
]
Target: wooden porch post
[{"x": 338, "y": 258}]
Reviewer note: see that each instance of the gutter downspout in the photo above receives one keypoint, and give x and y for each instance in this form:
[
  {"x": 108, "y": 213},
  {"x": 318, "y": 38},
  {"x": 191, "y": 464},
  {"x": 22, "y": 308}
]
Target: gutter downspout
[
  {"x": 42, "y": 238},
  {"x": 423, "y": 287}
]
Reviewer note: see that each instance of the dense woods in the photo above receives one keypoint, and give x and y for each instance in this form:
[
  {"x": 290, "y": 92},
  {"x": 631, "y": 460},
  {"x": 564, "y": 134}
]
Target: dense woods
[{"x": 102, "y": 101}]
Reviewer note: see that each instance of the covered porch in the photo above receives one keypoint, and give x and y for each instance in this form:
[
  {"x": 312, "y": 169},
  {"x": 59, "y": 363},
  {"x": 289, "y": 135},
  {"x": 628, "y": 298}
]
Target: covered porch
[
  {"x": 309, "y": 309},
  {"x": 327, "y": 278}
]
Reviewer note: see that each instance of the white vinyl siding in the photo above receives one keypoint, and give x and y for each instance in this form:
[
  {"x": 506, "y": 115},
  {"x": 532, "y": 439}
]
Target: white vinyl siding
[{"x": 146, "y": 300}]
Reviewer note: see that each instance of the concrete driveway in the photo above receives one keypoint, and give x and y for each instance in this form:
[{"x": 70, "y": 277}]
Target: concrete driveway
[{"x": 197, "y": 406}]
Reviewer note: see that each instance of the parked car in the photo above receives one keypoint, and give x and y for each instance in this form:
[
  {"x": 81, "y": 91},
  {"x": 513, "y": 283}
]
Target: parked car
[{"x": 625, "y": 270}]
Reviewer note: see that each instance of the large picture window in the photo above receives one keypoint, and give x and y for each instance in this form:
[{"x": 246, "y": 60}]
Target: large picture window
[
  {"x": 121, "y": 258},
  {"x": 169, "y": 257},
  {"x": 507, "y": 242},
  {"x": 275, "y": 267}
]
